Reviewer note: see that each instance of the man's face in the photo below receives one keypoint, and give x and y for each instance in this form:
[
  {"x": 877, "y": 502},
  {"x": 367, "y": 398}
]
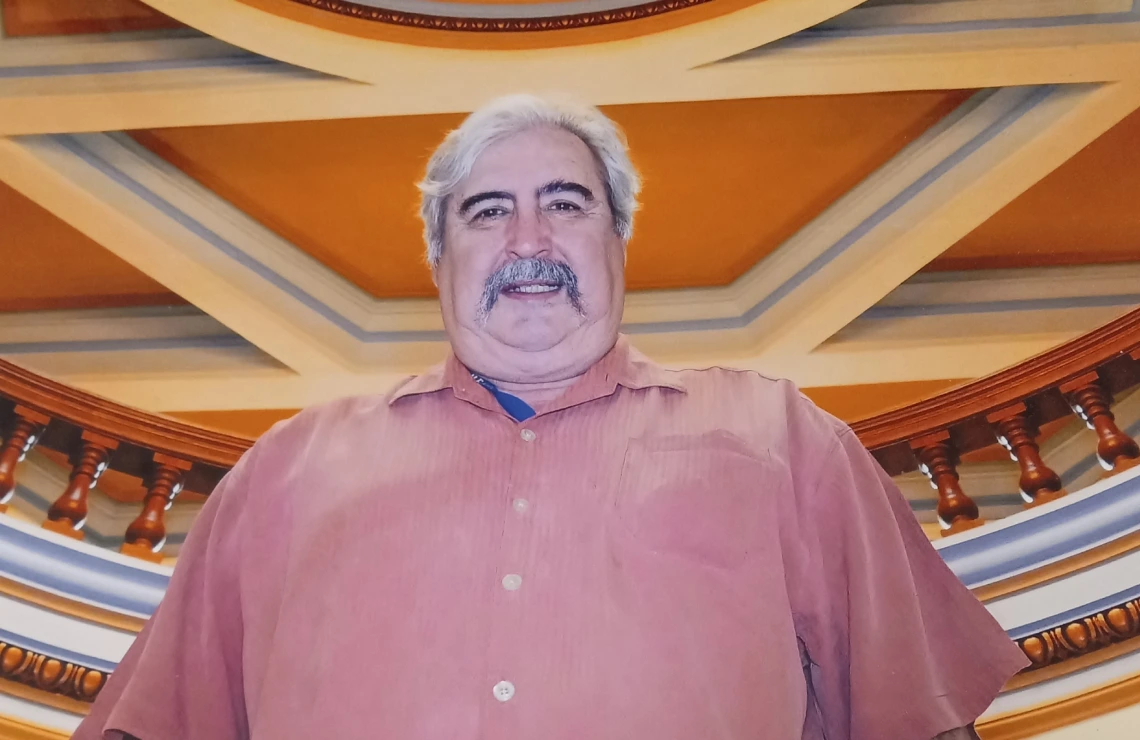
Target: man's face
[{"x": 531, "y": 279}]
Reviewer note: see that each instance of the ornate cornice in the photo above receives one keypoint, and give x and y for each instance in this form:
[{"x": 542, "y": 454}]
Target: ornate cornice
[
  {"x": 50, "y": 674},
  {"x": 500, "y": 25},
  {"x": 1083, "y": 636}
]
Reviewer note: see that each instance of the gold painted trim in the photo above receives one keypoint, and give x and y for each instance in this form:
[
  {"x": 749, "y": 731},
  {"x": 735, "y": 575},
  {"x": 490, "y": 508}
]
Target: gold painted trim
[
  {"x": 1088, "y": 634},
  {"x": 456, "y": 33},
  {"x": 48, "y": 674},
  {"x": 46, "y": 698},
  {"x": 1067, "y": 711},
  {"x": 1072, "y": 665},
  {"x": 64, "y": 605},
  {"x": 17, "y": 729}
]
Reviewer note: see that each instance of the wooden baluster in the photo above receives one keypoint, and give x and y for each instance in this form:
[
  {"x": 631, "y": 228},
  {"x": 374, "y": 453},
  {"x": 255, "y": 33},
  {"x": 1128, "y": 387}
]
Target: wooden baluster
[
  {"x": 69, "y": 512},
  {"x": 147, "y": 533},
  {"x": 1115, "y": 450},
  {"x": 27, "y": 426},
  {"x": 938, "y": 461},
  {"x": 1015, "y": 432}
]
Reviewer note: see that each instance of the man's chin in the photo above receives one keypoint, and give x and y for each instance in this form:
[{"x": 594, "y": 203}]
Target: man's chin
[
  {"x": 532, "y": 342},
  {"x": 532, "y": 334}
]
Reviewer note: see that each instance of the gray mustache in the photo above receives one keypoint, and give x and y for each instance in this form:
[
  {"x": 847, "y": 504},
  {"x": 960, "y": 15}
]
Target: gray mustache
[{"x": 530, "y": 269}]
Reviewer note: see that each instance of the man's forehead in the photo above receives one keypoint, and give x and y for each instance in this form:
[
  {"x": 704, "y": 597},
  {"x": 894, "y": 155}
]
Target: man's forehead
[{"x": 512, "y": 163}]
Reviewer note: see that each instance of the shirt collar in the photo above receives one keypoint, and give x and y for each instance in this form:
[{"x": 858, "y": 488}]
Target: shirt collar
[{"x": 623, "y": 365}]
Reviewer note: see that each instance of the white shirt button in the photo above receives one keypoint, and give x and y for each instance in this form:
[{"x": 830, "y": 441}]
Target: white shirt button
[
  {"x": 528, "y": 435},
  {"x": 504, "y": 690},
  {"x": 520, "y": 505},
  {"x": 512, "y": 581}
]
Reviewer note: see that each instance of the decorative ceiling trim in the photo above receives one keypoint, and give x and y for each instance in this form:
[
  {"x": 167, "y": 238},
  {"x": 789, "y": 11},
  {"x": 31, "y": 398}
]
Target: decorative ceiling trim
[
  {"x": 49, "y": 674},
  {"x": 353, "y": 47},
  {"x": 483, "y": 27},
  {"x": 1062, "y": 713},
  {"x": 70, "y": 607},
  {"x": 499, "y": 25},
  {"x": 1082, "y": 636},
  {"x": 11, "y": 727},
  {"x": 73, "y": 84}
]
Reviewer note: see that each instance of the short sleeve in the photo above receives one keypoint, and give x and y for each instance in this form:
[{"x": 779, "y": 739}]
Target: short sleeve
[
  {"x": 897, "y": 647},
  {"x": 182, "y": 676}
]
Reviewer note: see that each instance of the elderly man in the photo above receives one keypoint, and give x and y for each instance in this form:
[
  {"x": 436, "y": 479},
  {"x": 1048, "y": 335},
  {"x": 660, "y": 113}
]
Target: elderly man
[{"x": 549, "y": 536}]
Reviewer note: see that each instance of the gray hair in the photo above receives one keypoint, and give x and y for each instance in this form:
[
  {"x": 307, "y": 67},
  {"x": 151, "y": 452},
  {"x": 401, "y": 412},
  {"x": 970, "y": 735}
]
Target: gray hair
[{"x": 500, "y": 118}]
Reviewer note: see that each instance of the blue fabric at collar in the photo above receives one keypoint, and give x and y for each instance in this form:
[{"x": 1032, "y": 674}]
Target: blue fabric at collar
[{"x": 518, "y": 409}]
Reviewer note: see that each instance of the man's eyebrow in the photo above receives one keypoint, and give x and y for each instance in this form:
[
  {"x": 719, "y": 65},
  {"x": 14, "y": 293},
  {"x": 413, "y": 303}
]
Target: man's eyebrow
[
  {"x": 473, "y": 200},
  {"x": 566, "y": 186}
]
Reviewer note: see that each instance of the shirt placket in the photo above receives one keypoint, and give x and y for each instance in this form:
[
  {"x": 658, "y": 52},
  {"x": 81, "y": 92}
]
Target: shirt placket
[{"x": 513, "y": 583}]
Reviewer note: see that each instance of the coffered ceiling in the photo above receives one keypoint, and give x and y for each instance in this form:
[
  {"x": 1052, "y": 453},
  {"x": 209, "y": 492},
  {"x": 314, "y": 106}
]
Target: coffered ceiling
[{"x": 209, "y": 206}]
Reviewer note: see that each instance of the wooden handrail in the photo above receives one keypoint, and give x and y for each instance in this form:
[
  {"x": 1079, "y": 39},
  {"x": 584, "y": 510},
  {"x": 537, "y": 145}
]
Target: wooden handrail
[
  {"x": 1008, "y": 408},
  {"x": 102, "y": 416},
  {"x": 1050, "y": 369},
  {"x": 97, "y": 434}
]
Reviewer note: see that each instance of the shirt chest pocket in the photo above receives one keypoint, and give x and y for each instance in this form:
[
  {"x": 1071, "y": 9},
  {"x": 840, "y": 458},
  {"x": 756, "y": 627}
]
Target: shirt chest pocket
[{"x": 697, "y": 497}]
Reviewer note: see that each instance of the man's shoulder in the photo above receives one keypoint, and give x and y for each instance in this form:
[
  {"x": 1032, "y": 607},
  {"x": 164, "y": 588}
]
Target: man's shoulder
[
  {"x": 323, "y": 419},
  {"x": 741, "y": 384},
  {"x": 754, "y": 399}
]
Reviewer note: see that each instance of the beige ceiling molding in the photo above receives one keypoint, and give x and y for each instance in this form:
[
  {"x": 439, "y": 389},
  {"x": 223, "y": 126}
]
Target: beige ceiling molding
[
  {"x": 136, "y": 81},
  {"x": 370, "y": 60}
]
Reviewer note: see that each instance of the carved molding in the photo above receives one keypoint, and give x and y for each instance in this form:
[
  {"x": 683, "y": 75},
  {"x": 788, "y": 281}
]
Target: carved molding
[
  {"x": 50, "y": 674},
  {"x": 1083, "y": 636},
  {"x": 500, "y": 25}
]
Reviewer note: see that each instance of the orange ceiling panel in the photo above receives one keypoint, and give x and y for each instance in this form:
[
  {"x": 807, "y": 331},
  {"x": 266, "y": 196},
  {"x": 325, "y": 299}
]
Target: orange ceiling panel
[
  {"x": 725, "y": 181},
  {"x": 851, "y": 402},
  {"x": 48, "y": 265},
  {"x": 60, "y": 17},
  {"x": 1087, "y": 211},
  {"x": 248, "y": 423}
]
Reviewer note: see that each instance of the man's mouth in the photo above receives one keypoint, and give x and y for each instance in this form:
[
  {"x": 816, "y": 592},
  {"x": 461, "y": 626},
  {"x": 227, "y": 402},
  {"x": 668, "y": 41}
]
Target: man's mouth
[{"x": 531, "y": 288}]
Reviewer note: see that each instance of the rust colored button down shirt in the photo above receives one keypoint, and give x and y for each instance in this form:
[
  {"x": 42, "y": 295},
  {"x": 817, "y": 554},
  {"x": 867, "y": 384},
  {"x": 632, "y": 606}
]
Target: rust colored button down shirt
[{"x": 656, "y": 555}]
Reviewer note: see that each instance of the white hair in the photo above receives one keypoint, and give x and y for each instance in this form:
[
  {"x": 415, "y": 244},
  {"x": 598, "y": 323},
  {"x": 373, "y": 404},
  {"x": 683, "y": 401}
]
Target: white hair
[{"x": 455, "y": 157}]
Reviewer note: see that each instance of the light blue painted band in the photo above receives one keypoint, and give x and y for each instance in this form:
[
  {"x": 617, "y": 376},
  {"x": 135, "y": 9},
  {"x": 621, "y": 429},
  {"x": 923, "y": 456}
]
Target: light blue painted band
[
  {"x": 1039, "y": 95},
  {"x": 56, "y": 652},
  {"x": 87, "y": 577}
]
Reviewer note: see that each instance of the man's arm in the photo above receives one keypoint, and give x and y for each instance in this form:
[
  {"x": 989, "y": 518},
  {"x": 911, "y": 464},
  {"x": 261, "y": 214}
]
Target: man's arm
[
  {"x": 182, "y": 677},
  {"x": 898, "y": 646}
]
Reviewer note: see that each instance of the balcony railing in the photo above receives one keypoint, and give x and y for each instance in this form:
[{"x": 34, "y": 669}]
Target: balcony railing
[
  {"x": 1080, "y": 377},
  {"x": 98, "y": 435},
  {"x": 1008, "y": 408}
]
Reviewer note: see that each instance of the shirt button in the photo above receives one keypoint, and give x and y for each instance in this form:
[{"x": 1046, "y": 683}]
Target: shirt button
[
  {"x": 527, "y": 435},
  {"x": 520, "y": 505},
  {"x": 512, "y": 581},
  {"x": 504, "y": 690}
]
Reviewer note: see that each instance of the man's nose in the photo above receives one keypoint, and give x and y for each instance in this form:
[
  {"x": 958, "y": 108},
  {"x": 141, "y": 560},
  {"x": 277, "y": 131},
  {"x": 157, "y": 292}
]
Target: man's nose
[{"x": 530, "y": 235}]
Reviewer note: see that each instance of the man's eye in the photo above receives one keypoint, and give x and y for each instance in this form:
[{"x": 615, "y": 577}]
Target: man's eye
[
  {"x": 563, "y": 205},
  {"x": 492, "y": 212}
]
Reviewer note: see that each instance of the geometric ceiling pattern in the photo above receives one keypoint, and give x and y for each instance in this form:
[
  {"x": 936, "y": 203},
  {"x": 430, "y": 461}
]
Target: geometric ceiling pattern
[
  {"x": 63, "y": 17},
  {"x": 1086, "y": 211},
  {"x": 211, "y": 210},
  {"x": 726, "y": 182},
  {"x": 50, "y": 265},
  {"x": 207, "y": 208}
]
